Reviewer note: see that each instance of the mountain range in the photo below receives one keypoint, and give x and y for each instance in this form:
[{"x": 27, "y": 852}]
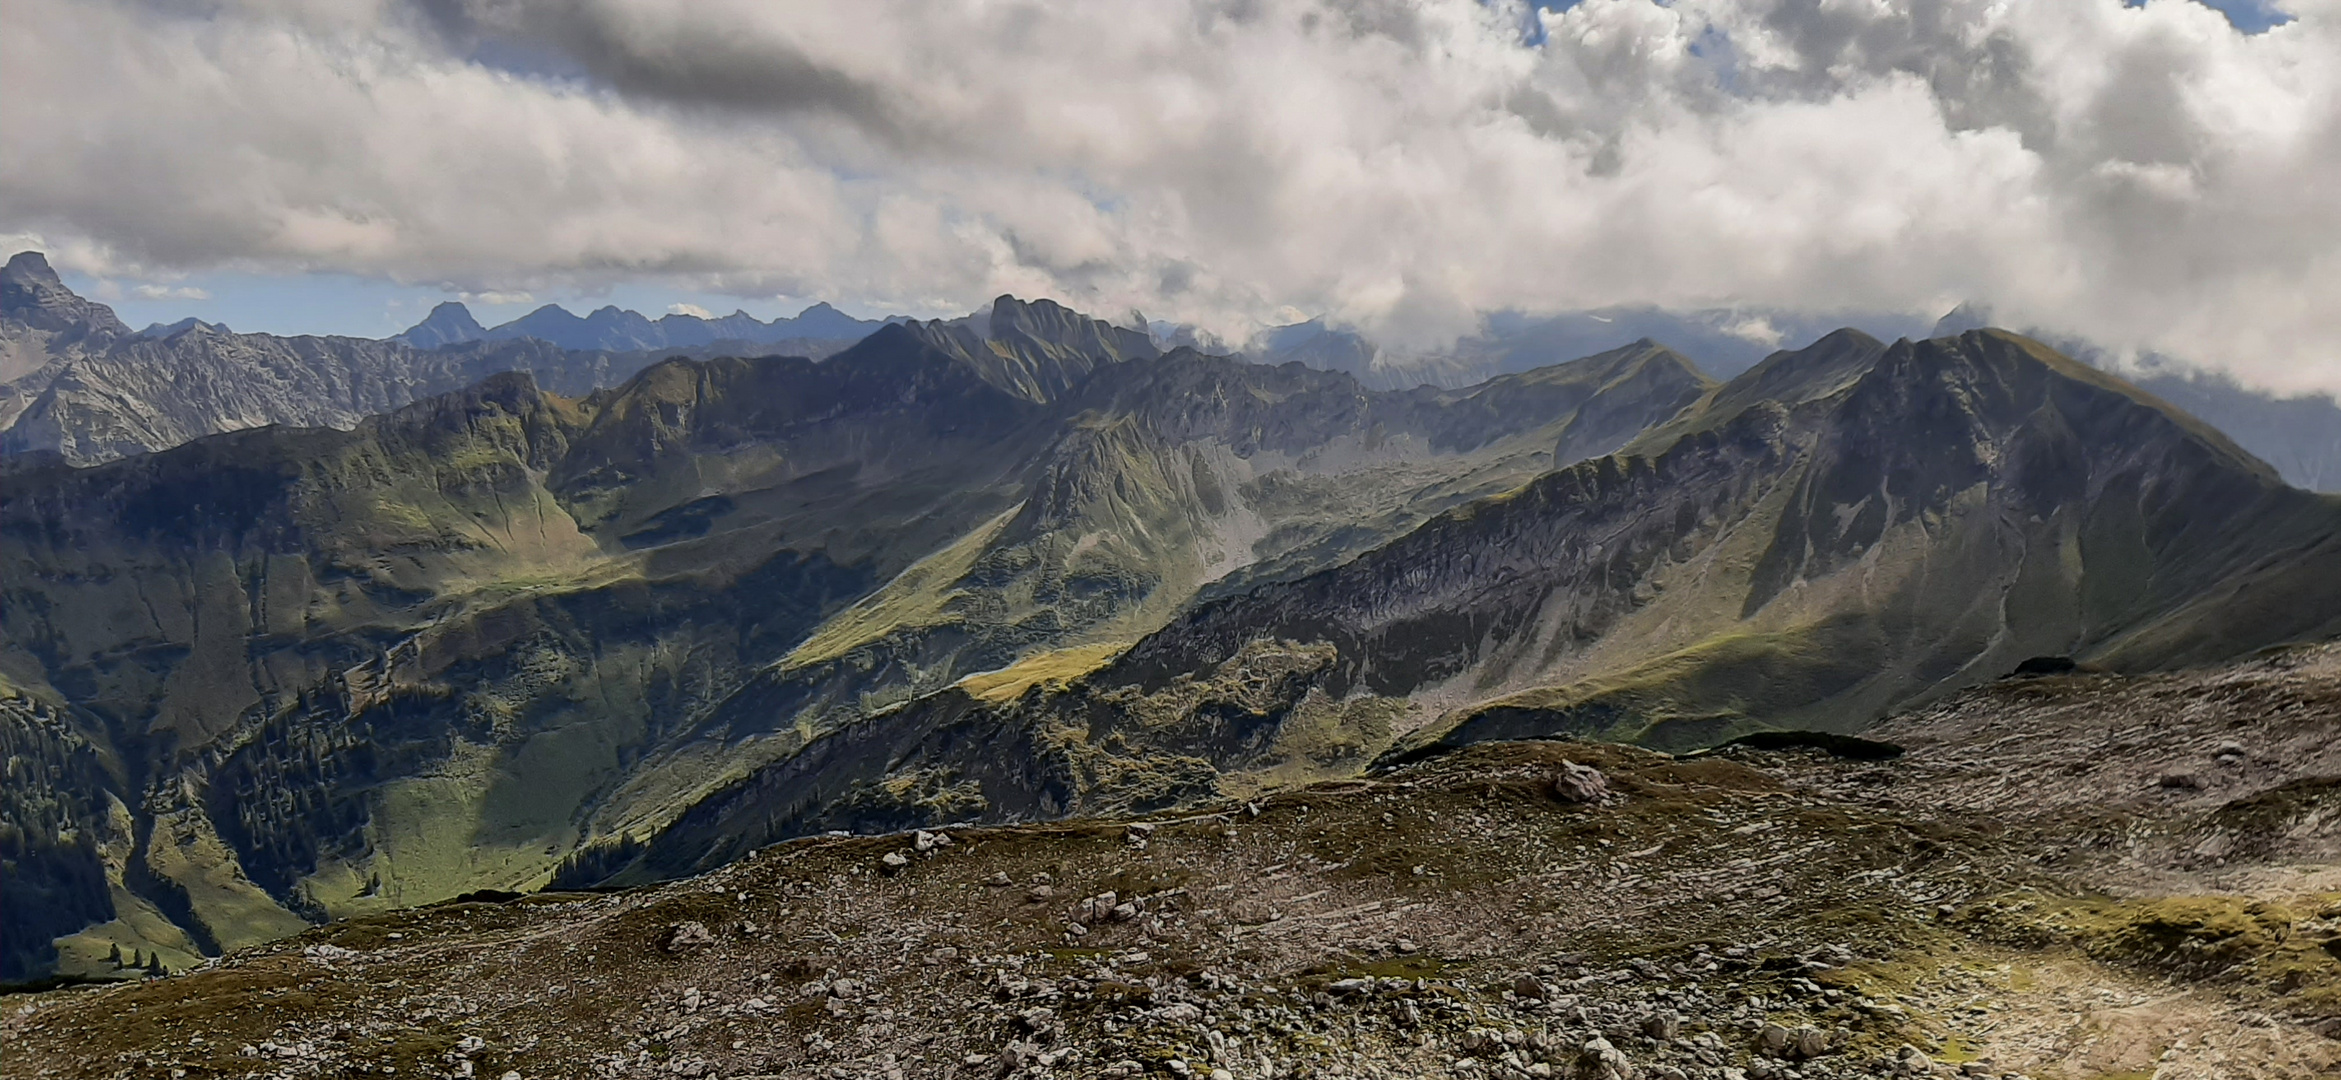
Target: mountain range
[
  {"x": 74, "y": 380},
  {"x": 451, "y": 645},
  {"x": 1842, "y": 532},
  {"x": 1023, "y": 565},
  {"x": 80, "y": 384},
  {"x": 2299, "y": 434},
  {"x": 1726, "y": 342},
  {"x": 612, "y": 329},
  {"x": 593, "y": 618}
]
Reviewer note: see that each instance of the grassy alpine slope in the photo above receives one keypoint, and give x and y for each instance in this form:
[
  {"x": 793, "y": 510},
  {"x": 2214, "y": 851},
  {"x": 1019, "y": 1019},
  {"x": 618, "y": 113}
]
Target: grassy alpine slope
[
  {"x": 301, "y": 674},
  {"x": 1841, "y": 532}
]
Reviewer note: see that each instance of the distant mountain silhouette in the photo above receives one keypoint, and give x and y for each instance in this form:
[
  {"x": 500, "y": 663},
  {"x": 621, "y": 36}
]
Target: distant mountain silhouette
[
  {"x": 77, "y": 382},
  {"x": 615, "y": 329},
  {"x": 164, "y": 330}
]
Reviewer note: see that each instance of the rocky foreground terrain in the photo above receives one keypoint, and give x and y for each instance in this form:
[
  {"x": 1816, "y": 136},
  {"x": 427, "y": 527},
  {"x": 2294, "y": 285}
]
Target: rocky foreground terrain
[{"x": 2073, "y": 875}]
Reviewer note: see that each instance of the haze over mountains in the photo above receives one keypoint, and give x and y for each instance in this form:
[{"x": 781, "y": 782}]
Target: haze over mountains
[
  {"x": 80, "y": 384},
  {"x": 1724, "y": 342},
  {"x": 1022, "y": 564},
  {"x": 75, "y": 380},
  {"x": 2300, "y": 434}
]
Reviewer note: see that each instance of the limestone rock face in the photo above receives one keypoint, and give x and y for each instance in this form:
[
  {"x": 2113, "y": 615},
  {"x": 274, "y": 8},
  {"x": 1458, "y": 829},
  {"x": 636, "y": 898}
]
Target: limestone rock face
[
  {"x": 32, "y": 294},
  {"x": 40, "y": 318},
  {"x": 140, "y": 395}
]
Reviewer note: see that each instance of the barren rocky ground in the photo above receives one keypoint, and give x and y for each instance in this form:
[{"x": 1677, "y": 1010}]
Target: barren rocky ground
[{"x": 2073, "y": 876}]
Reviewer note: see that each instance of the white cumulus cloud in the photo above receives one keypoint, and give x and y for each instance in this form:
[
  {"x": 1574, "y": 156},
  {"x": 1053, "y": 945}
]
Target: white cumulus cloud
[
  {"x": 169, "y": 292},
  {"x": 496, "y": 297},
  {"x": 2147, "y": 177}
]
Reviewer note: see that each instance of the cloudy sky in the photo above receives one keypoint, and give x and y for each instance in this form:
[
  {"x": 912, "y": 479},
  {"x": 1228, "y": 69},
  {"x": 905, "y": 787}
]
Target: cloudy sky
[{"x": 2164, "y": 176}]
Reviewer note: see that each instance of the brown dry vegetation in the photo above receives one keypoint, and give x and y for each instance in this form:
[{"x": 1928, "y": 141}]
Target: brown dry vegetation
[{"x": 1383, "y": 925}]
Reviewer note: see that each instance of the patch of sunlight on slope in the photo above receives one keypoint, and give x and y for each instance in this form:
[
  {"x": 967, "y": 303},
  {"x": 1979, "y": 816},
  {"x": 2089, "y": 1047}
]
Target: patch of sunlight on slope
[
  {"x": 1734, "y": 674},
  {"x": 474, "y": 596},
  {"x": 436, "y": 836},
  {"x": 1055, "y": 668},
  {"x": 137, "y": 926},
  {"x": 917, "y": 597},
  {"x": 185, "y": 850}
]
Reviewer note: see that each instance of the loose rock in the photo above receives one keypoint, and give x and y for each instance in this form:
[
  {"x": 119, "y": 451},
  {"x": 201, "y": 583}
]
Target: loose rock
[
  {"x": 688, "y": 937},
  {"x": 1581, "y": 784}
]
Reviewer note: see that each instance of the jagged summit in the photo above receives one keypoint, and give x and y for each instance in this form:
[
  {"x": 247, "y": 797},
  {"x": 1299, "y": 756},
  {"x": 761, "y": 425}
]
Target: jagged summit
[
  {"x": 40, "y": 321},
  {"x": 613, "y": 328},
  {"x": 32, "y": 294},
  {"x": 2299, "y": 435},
  {"x": 1036, "y": 350},
  {"x": 164, "y": 330},
  {"x": 449, "y": 323},
  {"x": 78, "y": 384}
]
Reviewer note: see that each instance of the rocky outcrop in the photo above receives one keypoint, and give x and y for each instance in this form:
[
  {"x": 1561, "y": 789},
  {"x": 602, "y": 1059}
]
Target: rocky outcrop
[{"x": 32, "y": 294}]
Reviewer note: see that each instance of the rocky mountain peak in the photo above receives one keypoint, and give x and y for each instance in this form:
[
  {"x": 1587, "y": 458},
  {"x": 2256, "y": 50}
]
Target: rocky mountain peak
[
  {"x": 617, "y": 329},
  {"x": 32, "y": 294},
  {"x": 29, "y": 266},
  {"x": 450, "y": 323},
  {"x": 824, "y": 321},
  {"x": 171, "y": 329},
  {"x": 1036, "y": 350},
  {"x": 1961, "y": 319},
  {"x": 1049, "y": 324}
]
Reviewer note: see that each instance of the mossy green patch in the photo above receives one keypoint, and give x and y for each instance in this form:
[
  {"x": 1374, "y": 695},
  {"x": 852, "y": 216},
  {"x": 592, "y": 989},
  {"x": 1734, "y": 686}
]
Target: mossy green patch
[
  {"x": 920, "y": 596},
  {"x": 2288, "y": 951}
]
